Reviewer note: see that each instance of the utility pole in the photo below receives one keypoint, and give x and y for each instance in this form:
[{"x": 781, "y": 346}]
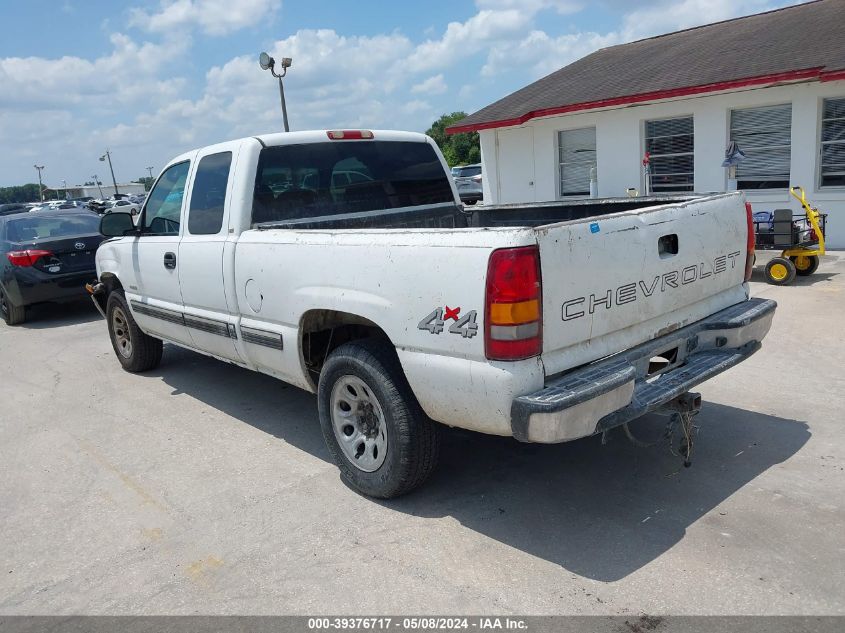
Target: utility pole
[
  {"x": 105, "y": 156},
  {"x": 40, "y": 186},
  {"x": 150, "y": 169}
]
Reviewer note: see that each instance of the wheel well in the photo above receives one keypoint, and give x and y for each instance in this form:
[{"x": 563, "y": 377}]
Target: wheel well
[
  {"x": 111, "y": 283},
  {"x": 323, "y": 331}
]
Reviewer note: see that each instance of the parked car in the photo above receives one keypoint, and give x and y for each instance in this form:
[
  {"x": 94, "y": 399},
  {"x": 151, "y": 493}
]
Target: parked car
[
  {"x": 40, "y": 207},
  {"x": 122, "y": 205},
  {"x": 12, "y": 207},
  {"x": 468, "y": 181},
  {"x": 97, "y": 204},
  {"x": 547, "y": 322},
  {"x": 45, "y": 257}
]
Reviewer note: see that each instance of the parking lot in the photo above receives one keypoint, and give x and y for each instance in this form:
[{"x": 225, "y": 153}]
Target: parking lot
[{"x": 201, "y": 487}]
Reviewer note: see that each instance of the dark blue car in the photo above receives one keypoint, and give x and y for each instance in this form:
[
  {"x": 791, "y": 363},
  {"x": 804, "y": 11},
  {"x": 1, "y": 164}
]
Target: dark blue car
[{"x": 45, "y": 257}]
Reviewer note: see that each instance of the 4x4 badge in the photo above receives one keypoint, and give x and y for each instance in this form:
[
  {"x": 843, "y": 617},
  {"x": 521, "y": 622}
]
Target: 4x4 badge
[{"x": 463, "y": 325}]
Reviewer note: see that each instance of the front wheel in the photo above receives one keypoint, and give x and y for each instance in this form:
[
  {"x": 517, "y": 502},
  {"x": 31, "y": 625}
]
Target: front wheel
[
  {"x": 135, "y": 350},
  {"x": 376, "y": 431},
  {"x": 805, "y": 264}
]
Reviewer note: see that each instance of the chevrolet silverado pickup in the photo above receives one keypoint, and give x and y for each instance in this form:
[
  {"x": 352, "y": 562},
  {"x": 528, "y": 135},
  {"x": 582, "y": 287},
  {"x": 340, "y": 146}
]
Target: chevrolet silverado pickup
[{"x": 343, "y": 262}]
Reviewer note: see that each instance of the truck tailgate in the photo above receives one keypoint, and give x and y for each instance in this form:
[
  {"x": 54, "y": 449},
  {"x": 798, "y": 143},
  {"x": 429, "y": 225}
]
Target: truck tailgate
[{"x": 616, "y": 281}]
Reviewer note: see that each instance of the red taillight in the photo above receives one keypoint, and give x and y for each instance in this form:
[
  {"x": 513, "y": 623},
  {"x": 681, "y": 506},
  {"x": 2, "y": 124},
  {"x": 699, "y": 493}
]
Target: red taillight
[
  {"x": 513, "y": 327},
  {"x": 749, "y": 254},
  {"x": 27, "y": 258},
  {"x": 349, "y": 135}
]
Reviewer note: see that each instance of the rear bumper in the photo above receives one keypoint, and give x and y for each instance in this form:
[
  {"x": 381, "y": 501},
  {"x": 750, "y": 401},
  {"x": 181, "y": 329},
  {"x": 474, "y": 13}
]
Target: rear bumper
[
  {"x": 615, "y": 390},
  {"x": 28, "y": 286}
]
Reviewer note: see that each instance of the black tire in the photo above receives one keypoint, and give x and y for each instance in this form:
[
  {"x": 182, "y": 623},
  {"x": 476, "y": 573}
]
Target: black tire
[
  {"x": 780, "y": 271},
  {"x": 12, "y": 314},
  {"x": 805, "y": 265},
  {"x": 412, "y": 439},
  {"x": 144, "y": 351}
]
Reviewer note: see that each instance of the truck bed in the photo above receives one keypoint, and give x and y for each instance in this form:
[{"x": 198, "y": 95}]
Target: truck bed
[{"x": 445, "y": 216}]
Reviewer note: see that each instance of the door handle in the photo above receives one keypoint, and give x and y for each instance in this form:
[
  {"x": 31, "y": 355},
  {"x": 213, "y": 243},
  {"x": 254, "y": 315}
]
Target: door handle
[{"x": 170, "y": 260}]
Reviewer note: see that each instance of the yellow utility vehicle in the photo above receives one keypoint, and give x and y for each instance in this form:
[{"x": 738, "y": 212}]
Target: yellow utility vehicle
[{"x": 799, "y": 237}]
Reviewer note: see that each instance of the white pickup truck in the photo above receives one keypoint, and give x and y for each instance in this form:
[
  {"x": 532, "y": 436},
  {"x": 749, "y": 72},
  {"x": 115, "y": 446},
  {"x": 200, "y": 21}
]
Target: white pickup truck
[{"x": 342, "y": 262}]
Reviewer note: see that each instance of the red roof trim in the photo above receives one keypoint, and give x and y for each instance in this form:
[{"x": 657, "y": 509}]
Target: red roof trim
[
  {"x": 833, "y": 75},
  {"x": 794, "y": 75}
]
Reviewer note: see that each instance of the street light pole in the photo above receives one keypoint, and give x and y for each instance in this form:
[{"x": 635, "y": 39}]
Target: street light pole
[
  {"x": 40, "y": 186},
  {"x": 105, "y": 156},
  {"x": 268, "y": 63},
  {"x": 284, "y": 106},
  {"x": 64, "y": 182},
  {"x": 150, "y": 169}
]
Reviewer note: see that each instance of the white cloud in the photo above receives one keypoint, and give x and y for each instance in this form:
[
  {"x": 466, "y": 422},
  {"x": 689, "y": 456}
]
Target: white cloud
[
  {"x": 538, "y": 54},
  {"x": 214, "y": 17},
  {"x": 666, "y": 17},
  {"x": 462, "y": 39},
  {"x": 532, "y": 6},
  {"x": 101, "y": 83},
  {"x": 434, "y": 85}
]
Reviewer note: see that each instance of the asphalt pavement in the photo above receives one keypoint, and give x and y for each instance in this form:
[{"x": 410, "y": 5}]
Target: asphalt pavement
[{"x": 204, "y": 488}]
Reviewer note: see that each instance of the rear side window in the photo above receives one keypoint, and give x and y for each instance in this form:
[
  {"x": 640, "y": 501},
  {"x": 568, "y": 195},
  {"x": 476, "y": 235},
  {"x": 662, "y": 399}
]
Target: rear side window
[
  {"x": 337, "y": 177},
  {"x": 35, "y": 228},
  {"x": 205, "y": 216}
]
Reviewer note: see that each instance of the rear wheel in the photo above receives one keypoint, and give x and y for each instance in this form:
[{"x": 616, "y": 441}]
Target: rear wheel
[
  {"x": 805, "y": 264},
  {"x": 12, "y": 314},
  {"x": 135, "y": 350},
  {"x": 376, "y": 431},
  {"x": 780, "y": 271}
]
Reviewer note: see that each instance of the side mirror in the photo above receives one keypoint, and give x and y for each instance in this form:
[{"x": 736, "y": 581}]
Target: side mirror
[{"x": 117, "y": 224}]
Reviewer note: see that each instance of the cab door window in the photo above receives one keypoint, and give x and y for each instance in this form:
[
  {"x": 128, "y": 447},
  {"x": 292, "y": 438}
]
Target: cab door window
[
  {"x": 164, "y": 204},
  {"x": 208, "y": 194}
]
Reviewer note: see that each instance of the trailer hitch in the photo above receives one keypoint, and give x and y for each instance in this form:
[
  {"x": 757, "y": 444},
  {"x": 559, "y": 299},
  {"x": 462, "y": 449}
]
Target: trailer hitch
[{"x": 681, "y": 411}]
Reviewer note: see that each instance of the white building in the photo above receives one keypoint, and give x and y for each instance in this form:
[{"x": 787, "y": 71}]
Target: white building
[
  {"x": 774, "y": 83},
  {"x": 84, "y": 191}
]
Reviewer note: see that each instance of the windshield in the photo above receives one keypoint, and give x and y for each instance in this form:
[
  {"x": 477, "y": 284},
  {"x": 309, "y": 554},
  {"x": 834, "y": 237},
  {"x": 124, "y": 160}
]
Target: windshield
[
  {"x": 67, "y": 225},
  {"x": 319, "y": 179}
]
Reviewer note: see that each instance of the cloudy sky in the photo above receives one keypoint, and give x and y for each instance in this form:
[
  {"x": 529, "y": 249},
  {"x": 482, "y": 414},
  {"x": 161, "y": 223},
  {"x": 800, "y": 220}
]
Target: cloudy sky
[{"x": 149, "y": 79}]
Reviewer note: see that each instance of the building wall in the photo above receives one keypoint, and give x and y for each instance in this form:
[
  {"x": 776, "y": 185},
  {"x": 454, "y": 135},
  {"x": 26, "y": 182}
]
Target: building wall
[
  {"x": 82, "y": 191},
  {"x": 620, "y": 148}
]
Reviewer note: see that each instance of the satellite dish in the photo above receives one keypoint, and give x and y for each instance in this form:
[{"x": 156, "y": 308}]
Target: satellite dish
[{"x": 265, "y": 61}]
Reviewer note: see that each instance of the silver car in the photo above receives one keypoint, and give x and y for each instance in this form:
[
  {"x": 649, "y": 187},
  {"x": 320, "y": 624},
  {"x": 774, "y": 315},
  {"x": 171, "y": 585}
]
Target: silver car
[{"x": 468, "y": 180}]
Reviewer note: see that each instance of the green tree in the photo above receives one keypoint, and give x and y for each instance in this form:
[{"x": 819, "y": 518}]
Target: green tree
[
  {"x": 458, "y": 149},
  {"x": 19, "y": 193},
  {"x": 146, "y": 181}
]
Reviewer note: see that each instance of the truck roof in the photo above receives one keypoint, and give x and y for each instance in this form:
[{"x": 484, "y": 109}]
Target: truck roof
[
  {"x": 319, "y": 136},
  {"x": 276, "y": 139}
]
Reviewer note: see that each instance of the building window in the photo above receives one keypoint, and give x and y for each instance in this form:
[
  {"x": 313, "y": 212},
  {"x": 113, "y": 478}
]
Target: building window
[
  {"x": 764, "y": 135},
  {"x": 833, "y": 143},
  {"x": 576, "y": 158},
  {"x": 670, "y": 144}
]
